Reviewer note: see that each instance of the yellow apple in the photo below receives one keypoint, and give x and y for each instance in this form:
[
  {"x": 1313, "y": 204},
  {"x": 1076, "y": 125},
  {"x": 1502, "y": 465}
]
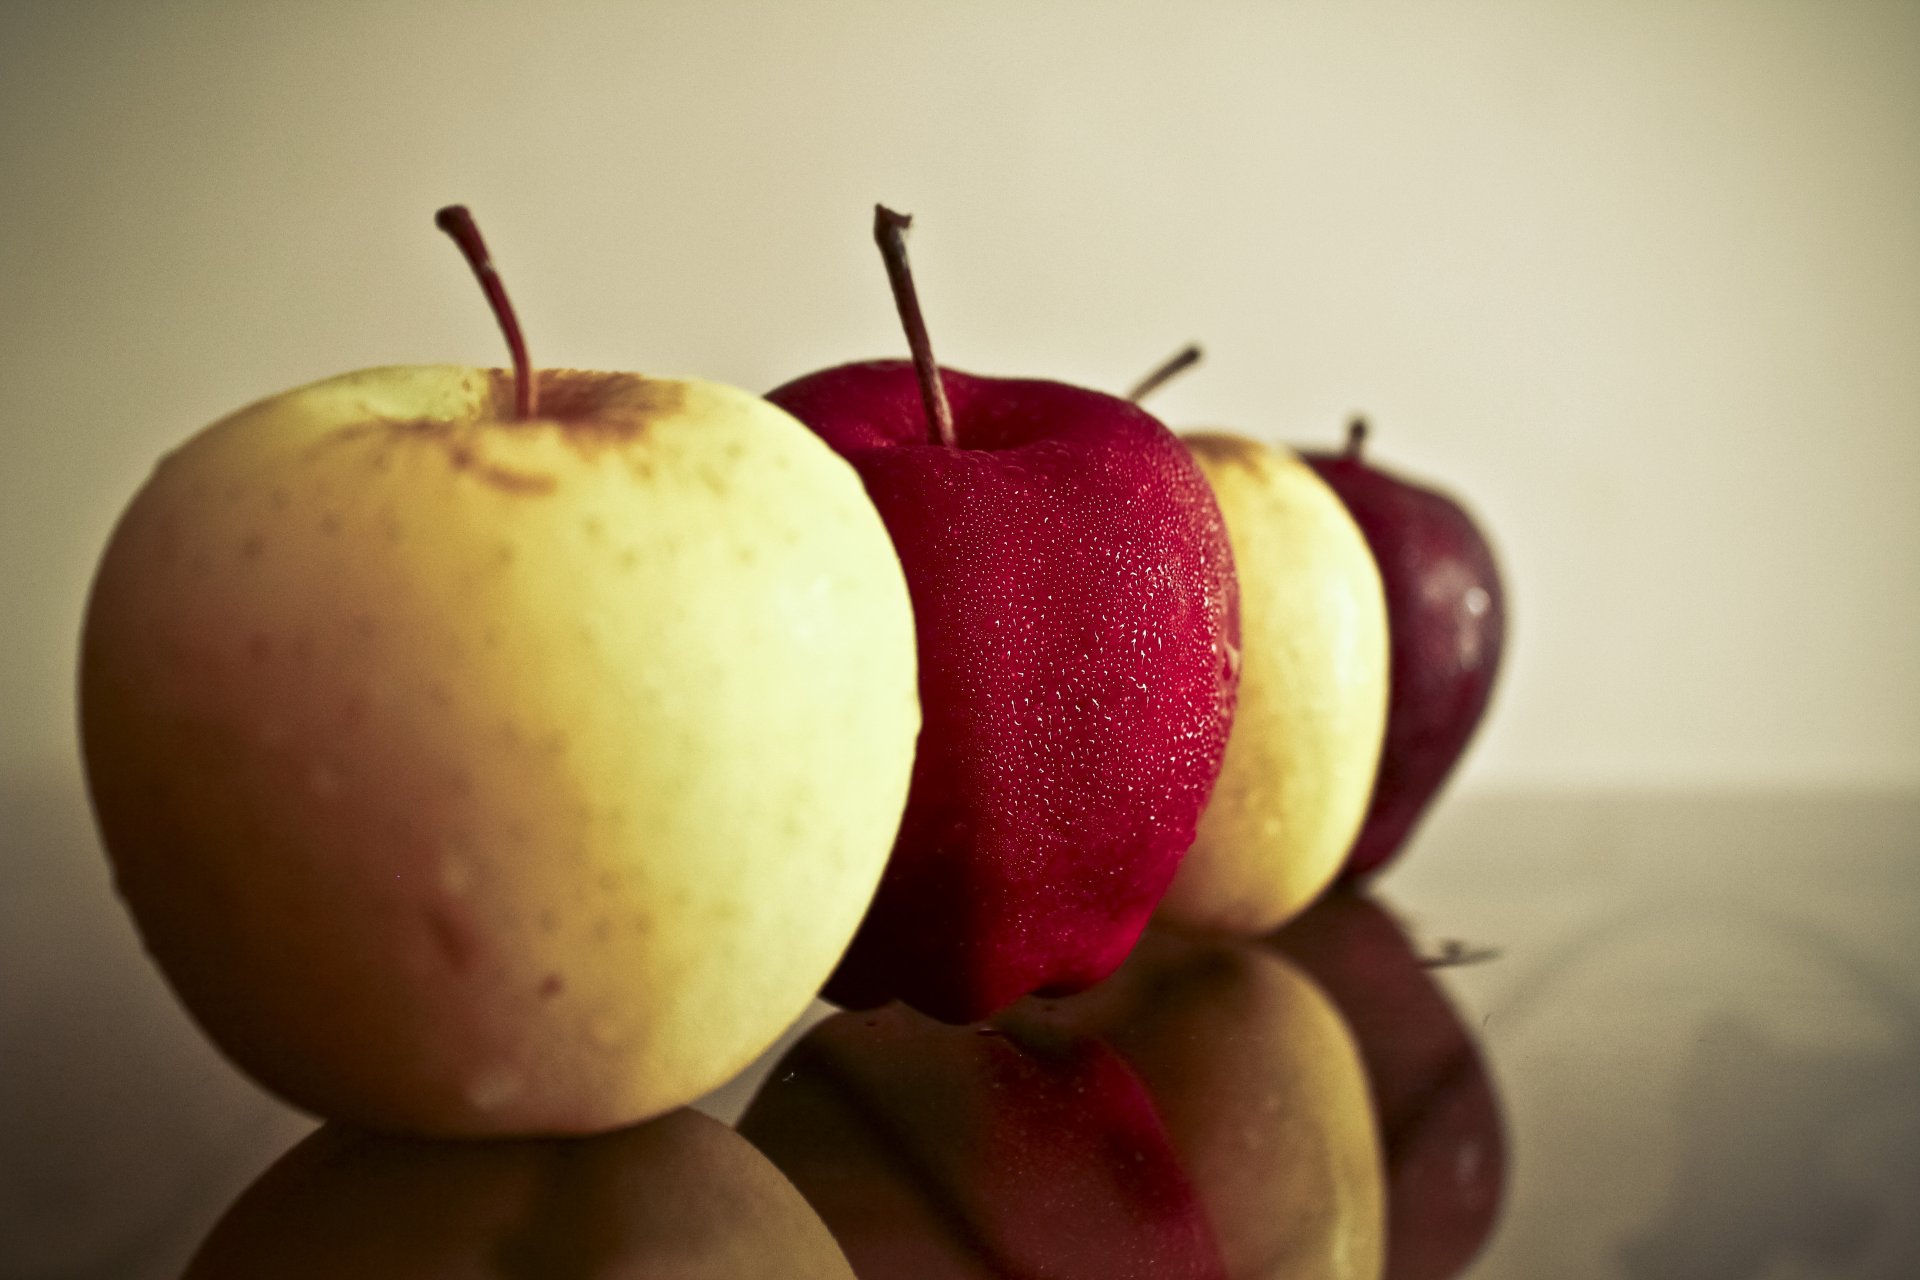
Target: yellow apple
[
  {"x": 1305, "y": 742},
  {"x": 680, "y": 1196},
  {"x": 475, "y": 775}
]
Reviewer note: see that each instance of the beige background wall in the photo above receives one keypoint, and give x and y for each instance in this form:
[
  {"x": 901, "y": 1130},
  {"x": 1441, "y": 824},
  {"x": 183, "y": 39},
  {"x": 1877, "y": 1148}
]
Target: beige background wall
[{"x": 1642, "y": 280}]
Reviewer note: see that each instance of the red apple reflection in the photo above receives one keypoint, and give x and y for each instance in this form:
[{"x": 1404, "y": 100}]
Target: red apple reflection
[
  {"x": 1201, "y": 1114},
  {"x": 1439, "y": 1115}
]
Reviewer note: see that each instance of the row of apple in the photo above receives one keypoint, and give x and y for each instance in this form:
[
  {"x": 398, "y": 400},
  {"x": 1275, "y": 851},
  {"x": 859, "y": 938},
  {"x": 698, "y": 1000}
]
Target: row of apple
[
  {"x": 1307, "y": 1107},
  {"x": 486, "y": 752}
]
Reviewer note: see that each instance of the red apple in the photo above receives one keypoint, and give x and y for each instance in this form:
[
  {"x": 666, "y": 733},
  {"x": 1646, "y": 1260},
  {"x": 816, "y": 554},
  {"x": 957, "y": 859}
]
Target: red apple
[
  {"x": 1077, "y": 622},
  {"x": 1446, "y": 624},
  {"x": 1439, "y": 1115}
]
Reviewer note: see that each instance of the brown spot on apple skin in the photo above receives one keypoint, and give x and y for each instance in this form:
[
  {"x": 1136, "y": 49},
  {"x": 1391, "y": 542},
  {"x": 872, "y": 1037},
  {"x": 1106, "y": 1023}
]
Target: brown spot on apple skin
[
  {"x": 453, "y": 940},
  {"x": 592, "y": 407},
  {"x": 594, "y": 412},
  {"x": 457, "y": 438},
  {"x": 520, "y": 482},
  {"x": 1230, "y": 450},
  {"x": 551, "y": 986}
]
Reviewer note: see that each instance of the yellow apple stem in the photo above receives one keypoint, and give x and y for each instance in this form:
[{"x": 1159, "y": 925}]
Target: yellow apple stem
[
  {"x": 889, "y": 233},
  {"x": 1178, "y": 363},
  {"x": 1356, "y": 438},
  {"x": 459, "y": 224}
]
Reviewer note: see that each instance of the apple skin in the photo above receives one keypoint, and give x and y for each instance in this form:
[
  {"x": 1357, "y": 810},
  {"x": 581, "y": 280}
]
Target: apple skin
[
  {"x": 1305, "y": 744},
  {"x": 1447, "y": 620},
  {"x": 1439, "y": 1112},
  {"x": 680, "y": 1196},
  {"x": 470, "y": 776},
  {"x": 1201, "y": 1114},
  {"x": 1077, "y": 616}
]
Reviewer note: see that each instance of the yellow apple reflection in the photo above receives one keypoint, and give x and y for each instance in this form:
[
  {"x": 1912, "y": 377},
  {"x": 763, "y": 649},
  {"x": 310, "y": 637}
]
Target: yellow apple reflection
[
  {"x": 682, "y": 1196},
  {"x": 1204, "y": 1113},
  {"x": 1445, "y": 1142}
]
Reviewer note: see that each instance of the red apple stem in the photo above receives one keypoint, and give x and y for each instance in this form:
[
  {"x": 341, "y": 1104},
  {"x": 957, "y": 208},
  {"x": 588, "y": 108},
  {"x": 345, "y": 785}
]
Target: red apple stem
[
  {"x": 889, "y": 230},
  {"x": 1175, "y": 365},
  {"x": 1356, "y": 437},
  {"x": 458, "y": 223}
]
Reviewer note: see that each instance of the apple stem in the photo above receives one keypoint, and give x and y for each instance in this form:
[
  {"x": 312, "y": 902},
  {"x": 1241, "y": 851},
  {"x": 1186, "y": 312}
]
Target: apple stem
[
  {"x": 458, "y": 223},
  {"x": 1356, "y": 437},
  {"x": 888, "y": 232},
  {"x": 1175, "y": 365}
]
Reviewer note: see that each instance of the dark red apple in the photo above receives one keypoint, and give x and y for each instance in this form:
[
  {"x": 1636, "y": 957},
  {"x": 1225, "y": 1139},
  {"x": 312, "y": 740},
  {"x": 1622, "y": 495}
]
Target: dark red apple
[
  {"x": 1446, "y": 623},
  {"x": 1203, "y": 1113},
  {"x": 1439, "y": 1114},
  {"x": 1077, "y": 622}
]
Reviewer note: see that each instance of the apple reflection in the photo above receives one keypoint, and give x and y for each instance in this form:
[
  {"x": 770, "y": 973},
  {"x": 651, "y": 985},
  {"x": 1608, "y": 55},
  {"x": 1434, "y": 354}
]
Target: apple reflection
[
  {"x": 1439, "y": 1115},
  {"x": 1306, "y": 1106},
  {"x": 1204, "y": 1113},
  {"x": 681, "y": 1196}
]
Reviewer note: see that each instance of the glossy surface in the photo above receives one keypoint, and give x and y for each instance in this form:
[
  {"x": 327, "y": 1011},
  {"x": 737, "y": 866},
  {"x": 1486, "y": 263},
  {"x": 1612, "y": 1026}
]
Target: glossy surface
[
  {"x": 1074, "y": 599},
  {"x": 1443, "y": 1144},
  {"x": 1203, "y": 1113},
  {"x": 1690, "y": 1024},
  {"x": 681, "y": 1196}
]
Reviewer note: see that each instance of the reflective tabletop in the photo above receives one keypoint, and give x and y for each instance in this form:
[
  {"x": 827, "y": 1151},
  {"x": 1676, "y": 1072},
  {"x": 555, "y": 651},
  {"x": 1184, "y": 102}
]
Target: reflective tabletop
[{"x": 1569, "y": 1035}]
